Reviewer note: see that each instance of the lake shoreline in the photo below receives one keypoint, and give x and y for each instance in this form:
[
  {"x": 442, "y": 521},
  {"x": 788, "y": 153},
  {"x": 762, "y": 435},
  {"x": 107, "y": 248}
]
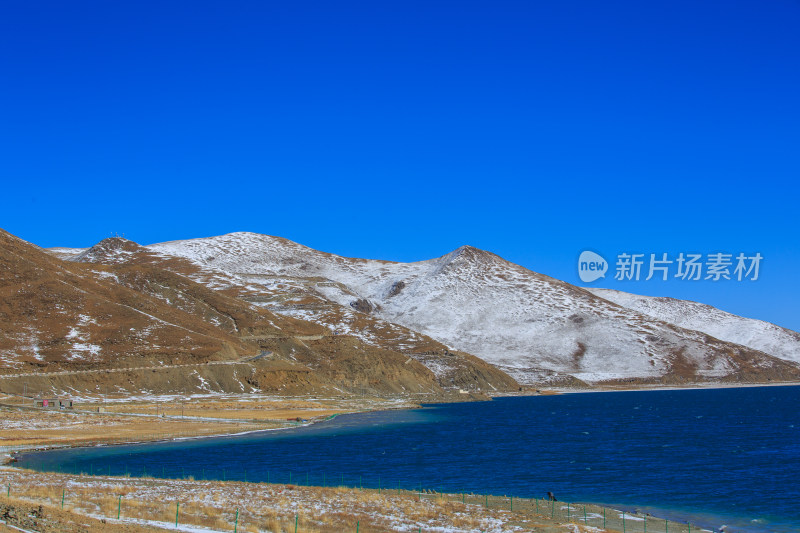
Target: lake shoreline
[
  {"x": 10, "y": 456},
  {"x": 548, "y": 390},
  {"x": 669, "y": 510},
  {"x": 6, "y": 459}
]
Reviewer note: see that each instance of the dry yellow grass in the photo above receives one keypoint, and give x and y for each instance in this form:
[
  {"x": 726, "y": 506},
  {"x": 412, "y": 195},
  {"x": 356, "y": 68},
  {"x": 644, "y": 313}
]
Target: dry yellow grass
[
  {"x": 40, "y": 428},
  {"x": 122, "y": 421},
  {"x": 244, "y": 408},
  {"x": 265, "y": 507}
]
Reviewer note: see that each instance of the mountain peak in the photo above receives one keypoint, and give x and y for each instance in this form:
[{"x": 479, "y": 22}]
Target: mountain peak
[
  {"x": 465, "y": 248},
  {"x": 469, "y": 251},
  {"x": 471, "y": 254},
  {"x": 107, "y": 250}
]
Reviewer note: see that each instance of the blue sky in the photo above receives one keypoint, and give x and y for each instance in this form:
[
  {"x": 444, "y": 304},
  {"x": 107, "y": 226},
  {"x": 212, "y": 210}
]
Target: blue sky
[{"x": 402, "y": 130}]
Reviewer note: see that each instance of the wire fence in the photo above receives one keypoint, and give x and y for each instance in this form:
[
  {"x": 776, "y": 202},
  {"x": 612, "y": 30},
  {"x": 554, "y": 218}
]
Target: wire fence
[{"x": 243, "y": 516}]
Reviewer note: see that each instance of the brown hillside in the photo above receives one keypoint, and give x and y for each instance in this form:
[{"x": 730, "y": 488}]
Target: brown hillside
[{"x": 56, "y": 314}]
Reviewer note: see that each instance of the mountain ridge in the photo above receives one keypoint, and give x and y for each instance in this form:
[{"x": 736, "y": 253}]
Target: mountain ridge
[
  {"x": 120, "y": 306},
  {"x": 473, "y": 300}
]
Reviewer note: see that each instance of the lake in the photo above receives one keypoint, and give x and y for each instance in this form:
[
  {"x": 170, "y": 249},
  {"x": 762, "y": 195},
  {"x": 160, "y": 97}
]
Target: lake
[{"x": 710, "y": 456}]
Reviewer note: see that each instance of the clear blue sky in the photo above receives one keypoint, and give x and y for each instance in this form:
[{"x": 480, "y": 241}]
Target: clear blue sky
[{"x": 401, "y": 130}]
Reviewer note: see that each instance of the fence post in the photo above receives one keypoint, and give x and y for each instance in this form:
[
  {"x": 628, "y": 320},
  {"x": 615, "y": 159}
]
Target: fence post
[
  {"x": 623, "y": 521},
  {"x": 236, "y": 522},
  {"x": 119, "y": 506},
  {"x": 358, "y": 522},
  {"x": 585, "y": 520},
  {"x": 8, "y": 491},
  {"x": 295, "y": 523},
  {"x": 177, "y": 509}
]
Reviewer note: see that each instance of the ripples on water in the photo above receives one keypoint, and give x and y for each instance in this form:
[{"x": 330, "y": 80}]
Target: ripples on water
[{"x": 709, "y": 456}]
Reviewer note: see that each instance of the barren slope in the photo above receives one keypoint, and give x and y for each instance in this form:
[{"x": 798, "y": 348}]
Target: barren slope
[{"x": 59, "y": 314}]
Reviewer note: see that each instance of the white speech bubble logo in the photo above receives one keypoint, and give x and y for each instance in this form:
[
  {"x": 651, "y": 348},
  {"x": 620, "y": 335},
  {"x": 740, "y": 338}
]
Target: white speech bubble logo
[{"x": 591, "y": 266}]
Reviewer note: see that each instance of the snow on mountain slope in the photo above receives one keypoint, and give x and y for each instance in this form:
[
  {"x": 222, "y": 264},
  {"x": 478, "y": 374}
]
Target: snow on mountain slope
[
  {"x": 64, "y": 253},
  {"x": 291, "y": 279},
  {"x": 757, "y": 334},
  {"x": 525, "y": 323}
]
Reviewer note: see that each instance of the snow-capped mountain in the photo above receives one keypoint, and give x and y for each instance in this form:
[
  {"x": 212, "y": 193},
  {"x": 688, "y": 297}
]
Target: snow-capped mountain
[
  {"x": 757, "y": 334},
  {"x": 527, "y": 324}
]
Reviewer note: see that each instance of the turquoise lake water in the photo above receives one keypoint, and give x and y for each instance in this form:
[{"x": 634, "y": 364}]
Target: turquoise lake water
[{"x": 712, "y": 457}]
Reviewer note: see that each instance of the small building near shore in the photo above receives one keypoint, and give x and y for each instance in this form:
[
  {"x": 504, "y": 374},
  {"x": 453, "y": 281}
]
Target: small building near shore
[{"x": 53, "y": 403}]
